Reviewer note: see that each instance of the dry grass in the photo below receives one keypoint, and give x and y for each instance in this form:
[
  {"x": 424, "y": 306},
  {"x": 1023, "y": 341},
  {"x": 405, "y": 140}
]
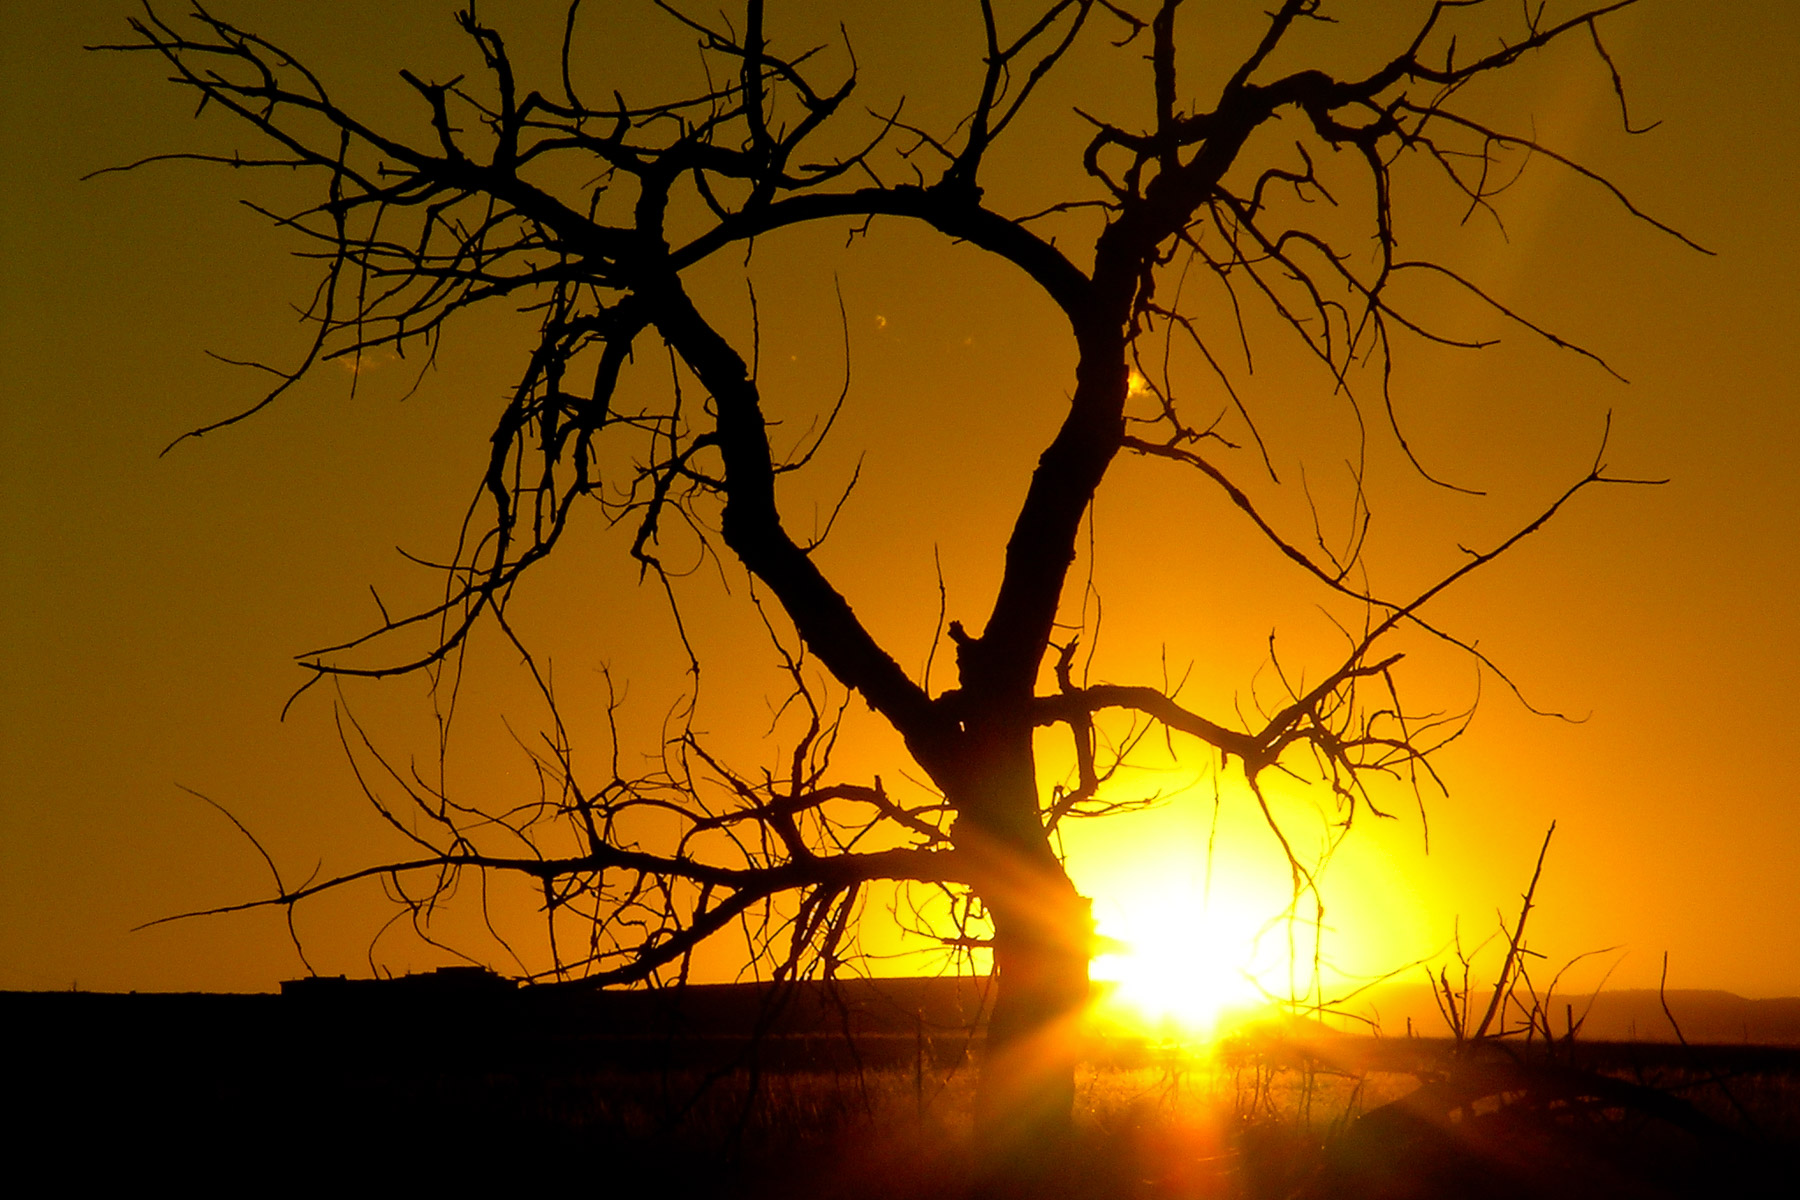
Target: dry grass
[
  {"x": 1265, "y": 1121},
  {"x": 1183, "y": 1127}
]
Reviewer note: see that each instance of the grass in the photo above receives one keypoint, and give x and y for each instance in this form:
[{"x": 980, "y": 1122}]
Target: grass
[
  {"x": 1248, "y": 1123},
  {"x": 257, "y": 1093}
]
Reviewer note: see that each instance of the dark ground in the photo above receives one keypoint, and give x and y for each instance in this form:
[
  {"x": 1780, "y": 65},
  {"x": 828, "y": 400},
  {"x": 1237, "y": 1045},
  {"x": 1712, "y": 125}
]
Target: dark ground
[{"x": 457, "y": 1081}]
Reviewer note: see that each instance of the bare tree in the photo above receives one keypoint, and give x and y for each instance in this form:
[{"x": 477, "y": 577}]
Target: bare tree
[{"x": 596, "y": 214}]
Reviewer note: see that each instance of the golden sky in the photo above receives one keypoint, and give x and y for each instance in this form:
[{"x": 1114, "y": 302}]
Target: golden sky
[{"x": 151, "y": 606}]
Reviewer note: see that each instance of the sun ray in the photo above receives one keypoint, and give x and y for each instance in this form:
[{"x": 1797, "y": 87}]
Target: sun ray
[{"x": 1179, "y": 962}]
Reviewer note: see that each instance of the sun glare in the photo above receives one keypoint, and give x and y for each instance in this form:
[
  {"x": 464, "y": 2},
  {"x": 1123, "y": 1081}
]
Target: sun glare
[
  {"x": 1179, "y": 963},
  {"x": 1192, "y": 904}
]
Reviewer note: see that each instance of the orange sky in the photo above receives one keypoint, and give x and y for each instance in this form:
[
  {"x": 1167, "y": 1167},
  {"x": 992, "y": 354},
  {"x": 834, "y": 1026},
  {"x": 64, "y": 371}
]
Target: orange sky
[{"x": 150, "y": 606}]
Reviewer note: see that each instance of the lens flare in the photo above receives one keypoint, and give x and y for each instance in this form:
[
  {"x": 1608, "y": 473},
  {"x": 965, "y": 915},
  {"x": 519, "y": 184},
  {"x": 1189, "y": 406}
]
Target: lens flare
[{"x": 1178, "y": 963}]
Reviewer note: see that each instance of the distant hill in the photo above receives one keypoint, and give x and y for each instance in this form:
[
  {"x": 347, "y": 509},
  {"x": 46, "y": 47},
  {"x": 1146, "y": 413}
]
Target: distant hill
[
  {"x": 862, "y": 1007},
  {"x": 936, "y": 1009},
  {"x": 1622, "y": 1015}
]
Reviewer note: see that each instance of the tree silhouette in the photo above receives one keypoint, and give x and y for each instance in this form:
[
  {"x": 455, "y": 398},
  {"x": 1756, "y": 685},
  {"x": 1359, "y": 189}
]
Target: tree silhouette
[{"x": 598, "y": 213}]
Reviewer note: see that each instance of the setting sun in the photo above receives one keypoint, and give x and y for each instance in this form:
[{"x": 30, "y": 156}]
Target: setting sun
[
  {"x": 1180, "y": 963},
  {"x": 1192, "y": 904}
]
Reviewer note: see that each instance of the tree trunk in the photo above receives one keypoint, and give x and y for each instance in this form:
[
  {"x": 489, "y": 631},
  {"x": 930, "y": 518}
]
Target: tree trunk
[
  {"x": 1043, "y": 938},
  {"x": 1041, "y": 949},
  {"x": 1043, "y": 928}
]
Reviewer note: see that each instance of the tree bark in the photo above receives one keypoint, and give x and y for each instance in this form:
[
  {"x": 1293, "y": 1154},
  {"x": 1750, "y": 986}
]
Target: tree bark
[
  {"x": 1041, "y": 951},
  {"x": 1043, "y": 939}
]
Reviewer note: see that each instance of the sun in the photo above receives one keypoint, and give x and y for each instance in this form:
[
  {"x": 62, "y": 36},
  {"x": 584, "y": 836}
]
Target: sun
[
  {"x": 1183, "y": 961},
  {"x": 1200, "y": 926}
]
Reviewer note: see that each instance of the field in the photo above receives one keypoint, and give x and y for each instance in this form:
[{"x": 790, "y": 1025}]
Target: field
[{"x": 287, "y": 1094}]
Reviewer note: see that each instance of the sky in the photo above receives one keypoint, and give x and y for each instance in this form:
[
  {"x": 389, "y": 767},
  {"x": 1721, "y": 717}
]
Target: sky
[{"x": 151, "y": 604}]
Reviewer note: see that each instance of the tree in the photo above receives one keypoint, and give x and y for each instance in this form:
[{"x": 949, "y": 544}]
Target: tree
[{"x": 600, "y": 216}]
